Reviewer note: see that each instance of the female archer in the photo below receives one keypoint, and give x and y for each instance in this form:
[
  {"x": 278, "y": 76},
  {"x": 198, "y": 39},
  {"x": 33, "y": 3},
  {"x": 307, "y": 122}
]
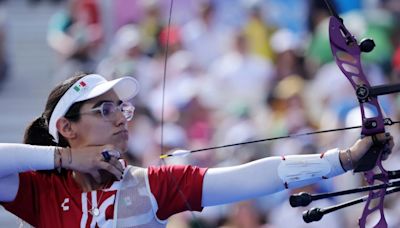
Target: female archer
[{"x": 71, "y": 175}]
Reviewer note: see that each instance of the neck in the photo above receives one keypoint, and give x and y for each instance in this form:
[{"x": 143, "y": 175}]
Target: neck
[{"x": 88, "y": 183}]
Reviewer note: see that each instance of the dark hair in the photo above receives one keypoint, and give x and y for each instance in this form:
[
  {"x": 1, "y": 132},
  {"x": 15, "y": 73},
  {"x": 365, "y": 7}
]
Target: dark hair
[{"x": 37, "y": 133}]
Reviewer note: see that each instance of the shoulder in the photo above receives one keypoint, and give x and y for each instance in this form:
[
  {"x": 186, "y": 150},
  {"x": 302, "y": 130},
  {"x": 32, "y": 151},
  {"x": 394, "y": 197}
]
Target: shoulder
[{"x": 167, "y": 174}]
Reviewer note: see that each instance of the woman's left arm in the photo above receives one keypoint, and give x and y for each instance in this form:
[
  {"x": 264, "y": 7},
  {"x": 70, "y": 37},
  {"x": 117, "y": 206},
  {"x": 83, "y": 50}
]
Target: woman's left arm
[
  {"x": 267, "y": 176},
  {"x": 273, "y": 174}
]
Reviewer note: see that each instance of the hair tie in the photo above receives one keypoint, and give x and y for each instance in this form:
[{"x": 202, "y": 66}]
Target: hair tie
[{"x": 44, "y": 120}]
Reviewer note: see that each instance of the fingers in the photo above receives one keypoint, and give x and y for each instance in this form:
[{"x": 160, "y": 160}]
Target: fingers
[
  {"x": 111, "y": 157},
  {"x": 382, "y": 138},
  {"x": 117, "y": 164},
  {"x": 93, "y": 159},
  {"x": 386, "y": 140},
  {"x": 109, "y": 153},
  {"x": 96, "y": 176},
  {"x": 364, "y": 144},
  {"x": 111, "y": 169},
  {"x": 110, "y": 163},
  {"x": 104, "y": 171},
  {"x": 379, "y": 139},
  {"x": 389, "y": 144},
  {"x": 386, "y": 152}
]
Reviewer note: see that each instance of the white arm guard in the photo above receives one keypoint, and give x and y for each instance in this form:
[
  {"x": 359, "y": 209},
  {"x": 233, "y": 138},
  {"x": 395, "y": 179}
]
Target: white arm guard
[
  {"x": 267, "y": 176},
  {"x": 299, "y": 170}
]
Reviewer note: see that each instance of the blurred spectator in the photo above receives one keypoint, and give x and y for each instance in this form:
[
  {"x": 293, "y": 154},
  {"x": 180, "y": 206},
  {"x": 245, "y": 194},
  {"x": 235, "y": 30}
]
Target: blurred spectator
[
  {"x": 245, "y": 215},
  {"x": 391, "y": 6},
  {"x": 127, "y": 11},
  {"x": 258, "y": 34},
  {"x": 126, "y": 57},
  {"x": 182, "y": 10},
  {"x": 146, "y": 16},
  {"x": 240, "y": 76},
  {"x": 151, "y": 26},
  {"x": 205, "y": 31},
  {"x": 295, "y": 15},
  {"x": 289, "y": 115},
  {"x": 288, "y": 49},
  {"x": 76, "y": 34},
  {"x": 343, "y": 6}
]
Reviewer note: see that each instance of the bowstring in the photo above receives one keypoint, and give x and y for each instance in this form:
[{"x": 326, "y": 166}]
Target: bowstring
[
  {"x": 279, "y": 138},
  {"x": 194, "y": 218}
]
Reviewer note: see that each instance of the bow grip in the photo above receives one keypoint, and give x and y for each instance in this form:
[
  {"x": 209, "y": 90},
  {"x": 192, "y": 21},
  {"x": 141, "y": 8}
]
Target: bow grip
[{"x": 368, "y": 161}]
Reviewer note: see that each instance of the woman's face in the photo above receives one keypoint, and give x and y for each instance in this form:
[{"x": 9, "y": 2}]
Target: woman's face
[{"x": 92, "y": 129}]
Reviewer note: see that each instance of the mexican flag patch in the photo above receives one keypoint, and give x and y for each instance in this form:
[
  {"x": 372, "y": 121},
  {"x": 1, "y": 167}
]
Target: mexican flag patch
[{"x": 80, "y": 86}]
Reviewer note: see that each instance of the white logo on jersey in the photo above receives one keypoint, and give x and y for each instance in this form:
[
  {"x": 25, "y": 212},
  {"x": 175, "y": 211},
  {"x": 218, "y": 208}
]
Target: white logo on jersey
[{"x": 64, "y": 205}]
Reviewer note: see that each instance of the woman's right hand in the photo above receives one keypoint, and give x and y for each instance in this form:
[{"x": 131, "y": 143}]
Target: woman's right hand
[{"x": 90, "y": 160}]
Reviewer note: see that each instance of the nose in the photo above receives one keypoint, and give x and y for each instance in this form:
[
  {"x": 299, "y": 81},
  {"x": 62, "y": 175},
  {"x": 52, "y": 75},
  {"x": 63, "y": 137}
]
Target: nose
[{"x": 120, "y": 118}]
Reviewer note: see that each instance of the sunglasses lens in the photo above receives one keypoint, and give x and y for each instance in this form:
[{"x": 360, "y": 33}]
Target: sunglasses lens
[
  {"x": 128, "y": 110},
  {"x": 108, "y": 110}
]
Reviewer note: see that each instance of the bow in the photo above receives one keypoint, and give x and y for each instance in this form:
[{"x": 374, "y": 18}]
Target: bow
[{"x": 347, "y": 54}]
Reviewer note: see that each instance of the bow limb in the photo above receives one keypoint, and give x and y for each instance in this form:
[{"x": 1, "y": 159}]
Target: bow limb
[{"x": 347, "y": 52}]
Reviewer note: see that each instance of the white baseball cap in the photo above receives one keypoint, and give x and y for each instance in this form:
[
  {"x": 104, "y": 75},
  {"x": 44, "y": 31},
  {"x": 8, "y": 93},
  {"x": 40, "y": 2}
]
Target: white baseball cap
[{"x": 88, "y": 87}]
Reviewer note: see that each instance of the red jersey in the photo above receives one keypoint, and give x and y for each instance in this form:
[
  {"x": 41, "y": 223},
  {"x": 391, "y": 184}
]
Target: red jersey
[{"x": 50, "y": 200}]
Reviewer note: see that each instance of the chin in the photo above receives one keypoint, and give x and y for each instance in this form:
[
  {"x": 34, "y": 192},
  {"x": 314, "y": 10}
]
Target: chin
[
  {"x": 121, "y": 147},
  {"x": 120, "y": 143}
]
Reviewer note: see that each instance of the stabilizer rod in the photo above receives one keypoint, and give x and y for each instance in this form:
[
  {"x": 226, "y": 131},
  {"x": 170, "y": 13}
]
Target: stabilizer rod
[
  {"x": 384, "y": 89},
  {"x": 303, "y": 198},
  {"x": 316, "y": 214}
]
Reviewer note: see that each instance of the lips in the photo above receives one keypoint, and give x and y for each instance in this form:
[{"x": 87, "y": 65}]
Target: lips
[{"x": 123, "y": 133}]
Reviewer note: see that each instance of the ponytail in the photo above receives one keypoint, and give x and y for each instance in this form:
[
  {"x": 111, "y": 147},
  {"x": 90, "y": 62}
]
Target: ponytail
[{"x": 37, "y": 133}]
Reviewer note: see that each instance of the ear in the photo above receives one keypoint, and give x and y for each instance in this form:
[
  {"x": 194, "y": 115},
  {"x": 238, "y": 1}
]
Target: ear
[{"x": 64, "y": 127}]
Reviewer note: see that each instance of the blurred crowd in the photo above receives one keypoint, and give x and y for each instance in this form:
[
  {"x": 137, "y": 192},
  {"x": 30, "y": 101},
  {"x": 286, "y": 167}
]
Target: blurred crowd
[{"x": 229, "y": 71}]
